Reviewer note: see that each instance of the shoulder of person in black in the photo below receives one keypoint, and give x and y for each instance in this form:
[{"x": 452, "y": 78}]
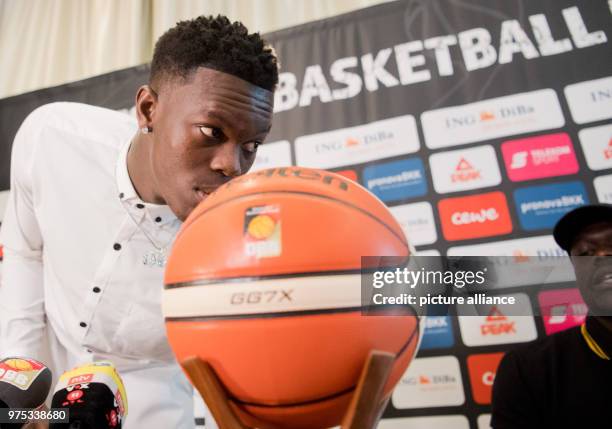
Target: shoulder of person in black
[{"x": 557, "y": 382}]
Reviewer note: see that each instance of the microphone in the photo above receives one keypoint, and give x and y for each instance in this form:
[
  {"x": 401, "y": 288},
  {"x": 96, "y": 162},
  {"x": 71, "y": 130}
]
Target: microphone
[
  {"x": 94, "y": 395},
  {"x": 24, "y": 383}
]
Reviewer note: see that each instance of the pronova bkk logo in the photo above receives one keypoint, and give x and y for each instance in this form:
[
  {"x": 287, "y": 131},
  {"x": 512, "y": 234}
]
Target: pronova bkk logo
[
  {"x": 542, "y": 206},
  {"x": 396, "y": 180},
  {"x": 475, "y": 216},
  {"x": 482, "y": 369},
  {"x": 538, "y": 157},
  {"x": 438, "y": 333}
]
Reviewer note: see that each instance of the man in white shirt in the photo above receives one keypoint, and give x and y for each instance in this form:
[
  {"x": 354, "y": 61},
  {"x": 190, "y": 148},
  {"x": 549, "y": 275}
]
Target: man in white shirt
[{"x": 97, "y": 199}]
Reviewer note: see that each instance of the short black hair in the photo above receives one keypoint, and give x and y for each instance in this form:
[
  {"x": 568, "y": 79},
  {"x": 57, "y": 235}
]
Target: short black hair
[{"x": 215, "y": 43}]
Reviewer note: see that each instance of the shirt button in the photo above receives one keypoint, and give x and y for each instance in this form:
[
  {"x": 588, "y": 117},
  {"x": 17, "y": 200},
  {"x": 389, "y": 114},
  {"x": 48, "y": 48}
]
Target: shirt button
[
  {"x": 117, "y": 246},
  {"x": 158, "y": 219},
  {"x": 88, "y": 351},
  {"x": 121, "y": 195},
  {"x": 96, "y": 289},
  {"x": 83, "y": 325},
  {"x": 140, "y": 206}
]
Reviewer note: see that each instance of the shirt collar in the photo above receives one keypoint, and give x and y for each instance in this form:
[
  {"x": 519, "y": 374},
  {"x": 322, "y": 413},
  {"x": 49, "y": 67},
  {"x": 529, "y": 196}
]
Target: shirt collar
[
  {"x": 128, "y": 195},
  {"x": 597, "y": 337}
]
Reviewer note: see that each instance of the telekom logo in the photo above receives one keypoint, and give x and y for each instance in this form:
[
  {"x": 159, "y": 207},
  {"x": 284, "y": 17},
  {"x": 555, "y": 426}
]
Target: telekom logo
[{"x": 538, "y": 157}]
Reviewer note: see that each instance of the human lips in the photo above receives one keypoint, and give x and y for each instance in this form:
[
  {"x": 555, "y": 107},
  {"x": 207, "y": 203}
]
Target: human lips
[{"x": 603, "y": 276}]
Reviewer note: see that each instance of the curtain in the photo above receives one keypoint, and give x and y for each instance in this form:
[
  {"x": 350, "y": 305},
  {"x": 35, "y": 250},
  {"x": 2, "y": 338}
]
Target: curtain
[{"x": 50, "y": 42}]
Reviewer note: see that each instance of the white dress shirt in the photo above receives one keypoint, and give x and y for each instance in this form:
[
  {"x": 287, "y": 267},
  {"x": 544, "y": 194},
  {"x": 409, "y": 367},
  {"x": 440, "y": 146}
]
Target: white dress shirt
[{"x": 75, "y": 234}]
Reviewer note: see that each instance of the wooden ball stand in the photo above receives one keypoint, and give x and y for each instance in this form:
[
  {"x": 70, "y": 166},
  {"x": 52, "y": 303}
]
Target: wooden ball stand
[{"x": 364, "y": 411}]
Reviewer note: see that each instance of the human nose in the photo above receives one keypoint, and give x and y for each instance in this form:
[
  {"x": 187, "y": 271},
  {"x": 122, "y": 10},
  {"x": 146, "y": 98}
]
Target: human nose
[{"x": 226, "y": 159}]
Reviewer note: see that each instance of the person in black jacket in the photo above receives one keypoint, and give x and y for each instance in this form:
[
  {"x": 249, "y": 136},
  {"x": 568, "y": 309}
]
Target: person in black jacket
[{"x": 565, "y": 380}]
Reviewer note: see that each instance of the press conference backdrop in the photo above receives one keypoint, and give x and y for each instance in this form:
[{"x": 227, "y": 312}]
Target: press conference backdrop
[{"x": 478, "y": 122}]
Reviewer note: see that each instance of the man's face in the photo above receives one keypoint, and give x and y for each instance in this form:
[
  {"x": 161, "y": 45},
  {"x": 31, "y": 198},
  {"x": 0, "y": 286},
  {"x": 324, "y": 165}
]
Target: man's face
[
  {"x": 205, "y": 132},
  {"x": 591, "y": 254}
]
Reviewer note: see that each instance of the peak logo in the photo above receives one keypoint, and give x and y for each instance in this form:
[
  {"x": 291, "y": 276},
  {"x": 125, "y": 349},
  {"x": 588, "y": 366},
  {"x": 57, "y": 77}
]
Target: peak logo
[
  {"x": 498, "y": 324},
  {"x": 473, "y": 168},
  {"x": 482, "y": 369},
  {"x": 596, "y": 144},
  {"x": 493, "y": 118},
  {"x": 538, "y": 157},
  {"x": 475, "y": 216},
  {"x": 396, "y": 180},
  {"x": 360, "y": 144},
  {"x": 430, "y": 382},
  {"x": 540, "y": 207}
]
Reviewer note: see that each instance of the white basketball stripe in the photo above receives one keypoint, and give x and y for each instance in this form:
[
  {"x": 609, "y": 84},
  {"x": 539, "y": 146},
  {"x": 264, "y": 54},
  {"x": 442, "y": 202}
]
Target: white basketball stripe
[{"x": 264, "y": 296}]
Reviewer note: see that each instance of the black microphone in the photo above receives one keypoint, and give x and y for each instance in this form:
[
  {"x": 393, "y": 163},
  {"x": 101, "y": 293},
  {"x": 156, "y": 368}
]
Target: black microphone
[
  {"x": 94, "y": 395},
  {"x": 24, "y": 383}
]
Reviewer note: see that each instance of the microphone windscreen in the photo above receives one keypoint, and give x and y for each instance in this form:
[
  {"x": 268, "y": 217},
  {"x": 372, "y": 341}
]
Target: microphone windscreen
[
  {"x": 24, "y": 383},
  {"x": 94, "y": 395}
]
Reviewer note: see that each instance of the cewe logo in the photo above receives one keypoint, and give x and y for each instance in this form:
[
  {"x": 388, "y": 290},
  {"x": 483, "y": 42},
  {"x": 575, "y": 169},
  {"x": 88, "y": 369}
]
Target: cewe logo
[
  {"x": 471, "y": 169},
  {"x": 482, "y": 369},
  {"x": 360, "y": 144},
  {"x": 396, "y": 180},
  {"x": 537, "y": 157},
  {"x": 542, "y": 206},
  {"x": 430, "y": 382},
  {"x": 562, "y": 309},
  {"x": 596, "y": 144},
  {"x": 475, "y": 216}
]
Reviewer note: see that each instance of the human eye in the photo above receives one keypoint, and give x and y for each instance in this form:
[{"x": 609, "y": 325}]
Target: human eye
[
  {"x": 251, "y": 147},
  {"x": 212, "y": 132}
]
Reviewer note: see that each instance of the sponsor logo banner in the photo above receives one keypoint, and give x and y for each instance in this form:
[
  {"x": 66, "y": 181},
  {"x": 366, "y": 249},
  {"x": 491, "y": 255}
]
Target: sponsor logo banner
[
  {"x": 561, "y": 309},
  {"x": 438, "y": 333},
  {"x": 484, "y": 421},
  {"x": 356, "y": 145},
  {"x": 417, "y": 222},
  {"x": 596, "y": 144},
  {"x": 433, "y": 422},
  {"x": 396, "y": 180},
  {"x": 485, "y": 325},
  {"x": 538, "y": 157},
  {"x": 493, "y": 118},
  {"x": 271, "y": 155},
  {"x": 591, "y": 100},
  {"x": 349, "y": 174},
  {"x": 482, "y": 369},
  {"x": 543, "y": 247},
  {"x": 475, "y": 216},
  {"x": 430, "y": 382},
  {"x": 603, "y": 188},
  {"x": 466, "y": 169},
  {"x": 541, "y": 207}
]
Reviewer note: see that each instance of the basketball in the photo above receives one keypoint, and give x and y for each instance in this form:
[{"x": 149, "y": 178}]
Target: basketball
[{"x": 263, "y": 283}]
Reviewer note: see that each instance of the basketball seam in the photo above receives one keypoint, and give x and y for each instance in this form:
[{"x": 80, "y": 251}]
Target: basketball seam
[{"x": 346, "y": 203}]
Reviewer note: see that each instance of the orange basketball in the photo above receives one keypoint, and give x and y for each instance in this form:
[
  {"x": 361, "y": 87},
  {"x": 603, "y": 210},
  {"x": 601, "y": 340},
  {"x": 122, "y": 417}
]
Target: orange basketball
[{"x": 264, "y": 284}]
